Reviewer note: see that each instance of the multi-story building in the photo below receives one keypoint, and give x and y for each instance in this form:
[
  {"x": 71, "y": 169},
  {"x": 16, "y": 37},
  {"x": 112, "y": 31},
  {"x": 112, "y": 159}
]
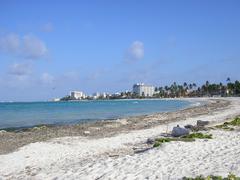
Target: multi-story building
[
  {"x": 77, "y": 95},
  {"x": 143, "y": 90},
  {"x": 99, "y": 95}
]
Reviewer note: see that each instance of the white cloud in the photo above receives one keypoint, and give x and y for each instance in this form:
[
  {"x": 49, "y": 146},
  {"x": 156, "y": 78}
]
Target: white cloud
[
  {"x": 10, "y": 43},
  {"x": 47, "y": 78},
  {"x": 28, "y": 46},
  {"x": 135, "y": 51},
  {"x": 48, "y": 27},
  {"x": 17, "y": 69},
  {"x": 71, "y": 75},
  {"x": 33, "y": 48}
]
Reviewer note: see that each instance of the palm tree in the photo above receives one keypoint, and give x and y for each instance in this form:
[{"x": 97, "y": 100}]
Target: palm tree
[
  {"x": 194, "y": 85},
  {"x": 166, "y": 88},
  {"x": 190, "y": 86},
  {"x": 185, "y": 84},
  {"x": 228, "y": 79},
  {"x": 207, "y": 83}
]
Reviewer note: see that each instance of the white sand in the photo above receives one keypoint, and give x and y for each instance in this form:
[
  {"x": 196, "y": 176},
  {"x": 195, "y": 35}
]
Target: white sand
[{"x": 81, "y": 158}]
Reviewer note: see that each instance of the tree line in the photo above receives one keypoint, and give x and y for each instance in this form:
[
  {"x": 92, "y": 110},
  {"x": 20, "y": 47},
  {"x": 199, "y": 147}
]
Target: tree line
[
  {"x": 192, "y": 90},
  {"x": 180, "y": 90}
]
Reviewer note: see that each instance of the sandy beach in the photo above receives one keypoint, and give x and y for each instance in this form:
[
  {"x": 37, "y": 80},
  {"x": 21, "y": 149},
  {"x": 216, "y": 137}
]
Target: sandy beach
[{"x": 111, "y": 149}]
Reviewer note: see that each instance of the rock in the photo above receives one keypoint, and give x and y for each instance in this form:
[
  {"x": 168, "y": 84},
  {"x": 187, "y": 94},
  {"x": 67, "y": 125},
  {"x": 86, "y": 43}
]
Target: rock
[
  {"x": 150, "y": 141},
  {"x": 189, "y": 126},
  {"x": 35, "y": 128},
  {"x": 86, "y": 132},
  {"x": 2, "y": 131},
  {"x": 202, "y": 123},
  {"x": 178, "y": 131}
]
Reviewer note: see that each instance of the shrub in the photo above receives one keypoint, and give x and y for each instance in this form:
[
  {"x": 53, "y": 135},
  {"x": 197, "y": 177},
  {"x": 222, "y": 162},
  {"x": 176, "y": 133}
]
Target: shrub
[
  {"x": 235, "y": 122},
  {"x": 198, "y": 136},
  {"x": 211, "y": 177},
  {"x": 160, "y": 141},
  {"x": 224, "y": 127}
]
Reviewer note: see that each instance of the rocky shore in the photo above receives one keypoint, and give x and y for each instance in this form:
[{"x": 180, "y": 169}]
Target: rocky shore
[{"x": 13, "y": 139}]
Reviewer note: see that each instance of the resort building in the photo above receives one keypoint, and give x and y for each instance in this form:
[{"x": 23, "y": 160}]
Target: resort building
[
  {"x": 143, "y": 90},
  {"x": 77, "y": 95},
  {"x": 98, "y": 95}
]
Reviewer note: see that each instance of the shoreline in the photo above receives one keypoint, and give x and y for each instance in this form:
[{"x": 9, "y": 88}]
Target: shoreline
[
  {"x": 192, "y": 101},
  {"x": 15, "y": 138},
  {"x": 108, "y": 152},
  {"x": 18, "y": 128}
]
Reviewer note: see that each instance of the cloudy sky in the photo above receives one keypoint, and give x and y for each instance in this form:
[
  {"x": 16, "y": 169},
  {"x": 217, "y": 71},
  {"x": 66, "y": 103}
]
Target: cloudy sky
[{"x": 48, "y": 48}]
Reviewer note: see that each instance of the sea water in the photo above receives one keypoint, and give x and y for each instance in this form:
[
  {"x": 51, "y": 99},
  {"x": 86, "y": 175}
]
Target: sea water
[{"x": 24, "y": 114}]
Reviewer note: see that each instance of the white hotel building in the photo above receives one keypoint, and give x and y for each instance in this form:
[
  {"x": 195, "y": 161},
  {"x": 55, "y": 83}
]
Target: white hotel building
[
  {"x": 143, "y": 90},
  {"x": 77, "y": 95}
]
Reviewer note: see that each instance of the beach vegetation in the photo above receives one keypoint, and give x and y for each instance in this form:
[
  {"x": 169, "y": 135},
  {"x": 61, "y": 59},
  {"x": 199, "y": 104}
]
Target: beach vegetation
[
  {"x": 198, "y": 136},
  {"x": 160, "y": 141},
  {"x": 229, "y": 125},
  {"x": 224, "y": 127},
  {"x": 187, "y": 138},
  {"x": 234, "y": 122},
  {"x": 212, "y": 177}
]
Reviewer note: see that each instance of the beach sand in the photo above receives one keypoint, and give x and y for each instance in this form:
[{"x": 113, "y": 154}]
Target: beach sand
[{"x": 107, "y": 150}]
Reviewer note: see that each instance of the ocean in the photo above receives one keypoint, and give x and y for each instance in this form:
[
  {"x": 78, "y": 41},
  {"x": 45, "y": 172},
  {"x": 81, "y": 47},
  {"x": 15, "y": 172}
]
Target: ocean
[{"x": 26, "y": 114}]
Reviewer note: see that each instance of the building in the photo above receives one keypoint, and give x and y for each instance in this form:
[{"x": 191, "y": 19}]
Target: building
[
  {"x": 99, "y": 95},
  {"x": 77, "y": 95},
  {"x": 56, "y": 99},
  {"x": 143, "y": 90},
  {"x": 96, "y": 95}
]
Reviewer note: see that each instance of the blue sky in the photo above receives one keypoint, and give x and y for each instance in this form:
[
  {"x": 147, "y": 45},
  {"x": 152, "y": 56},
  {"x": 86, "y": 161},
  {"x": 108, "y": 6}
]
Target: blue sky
[{"x": 49, "y": 48}]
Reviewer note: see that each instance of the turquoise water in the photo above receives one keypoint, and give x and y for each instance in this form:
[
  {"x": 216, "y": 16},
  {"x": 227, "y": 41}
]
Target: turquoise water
[{"x": 33, "y": 113}]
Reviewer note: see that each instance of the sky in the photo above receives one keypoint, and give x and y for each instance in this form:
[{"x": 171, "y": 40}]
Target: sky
[{"x": 48, "y": 48}]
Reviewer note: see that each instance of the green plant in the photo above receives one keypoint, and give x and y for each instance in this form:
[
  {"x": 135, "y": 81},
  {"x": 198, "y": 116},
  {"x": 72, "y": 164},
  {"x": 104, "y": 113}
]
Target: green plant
[
  {"x": 198, "y": 136},
  {"x": 157, "y": 144},
  {"x": 212, "y": 177},
  {"x": 235, "y": 122},
  {"x": 160, "y": 141},
  {"x": 224, "y": 127}
]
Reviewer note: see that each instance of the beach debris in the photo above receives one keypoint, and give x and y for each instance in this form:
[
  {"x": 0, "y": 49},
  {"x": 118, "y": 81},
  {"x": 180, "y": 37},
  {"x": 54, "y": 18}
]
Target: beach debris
[
  {"x": 179, "y": 131},
  {"x": 195, "y": 128},
  {"x": 86, "y": 132},
  {"x": 200, "y": 126},
  {"x": 142, "y": 150},
  {"x": 150, "y": 141},
  {"x": 202, "y": 123},
  {"x": 189, "y": 126}
]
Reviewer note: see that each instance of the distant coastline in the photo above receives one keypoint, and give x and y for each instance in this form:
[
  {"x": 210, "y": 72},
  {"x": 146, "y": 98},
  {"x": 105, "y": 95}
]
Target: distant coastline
[{"x": 142, "y": 91}]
